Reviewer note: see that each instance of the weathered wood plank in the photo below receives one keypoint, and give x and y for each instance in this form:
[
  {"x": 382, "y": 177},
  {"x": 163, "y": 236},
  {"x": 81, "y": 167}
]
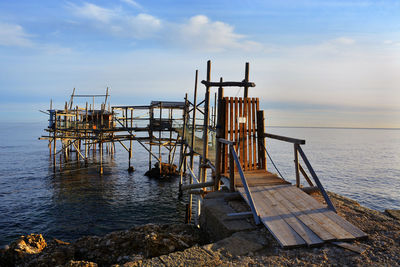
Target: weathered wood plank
[
  {"x": 253, "y": 116},
  {"x": 245, "y": 162},
  {"x": 302, "y": 201},
  {"x": 282, "y": 232},
  {"x": 355, "y": 231},
  {"x": 279, "y": 204},
  {"x": 312, "y": 224},
  {"x": 226, "y": 110},
  {"x": 249, "y": 131}
]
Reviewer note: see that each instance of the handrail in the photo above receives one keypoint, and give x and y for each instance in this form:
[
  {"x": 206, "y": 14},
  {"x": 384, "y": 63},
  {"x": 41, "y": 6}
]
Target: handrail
[
  {"x": 315, "y": 177},
  {"x": 286, "y": 139},
  {"x": 244, "y": 182},
  {"x": 226, "y": 142}
]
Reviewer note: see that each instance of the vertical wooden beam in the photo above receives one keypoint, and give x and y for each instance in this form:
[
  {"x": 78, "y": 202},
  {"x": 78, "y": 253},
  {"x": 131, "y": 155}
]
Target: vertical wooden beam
[
  {"x": 249, "y": 133},
  {"x": 86, "y": 135},
  {"x": 253, "y": 116},
  {"x": 296, "y": 164},
  {"x": 151, "y": 111},
  {"x": 194, "y": 121},
  {"x": 231, "y": 171},
  {"x": 182, "y": 156},
  {"x": 55, "y": 141},
  {"x": 261, "y": 139},
  {"x": 246, "y": 79},
  {"x": 159, "y": 139},
  {"x": 219, "y": 134},
  {"x": 206, "y": 123},
  {"x": 241, "y": 133},
  {"x": 225, "y": 121}
]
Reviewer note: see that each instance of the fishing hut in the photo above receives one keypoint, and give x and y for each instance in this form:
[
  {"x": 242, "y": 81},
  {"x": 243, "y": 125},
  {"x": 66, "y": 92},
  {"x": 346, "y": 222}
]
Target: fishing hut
[
  {"x": 222, "y": 145},
  {"x": 87, "y": 131}
]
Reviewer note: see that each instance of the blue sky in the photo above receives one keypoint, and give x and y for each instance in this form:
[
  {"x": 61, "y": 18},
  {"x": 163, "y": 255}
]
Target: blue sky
[{"x": 315, "y": 63}]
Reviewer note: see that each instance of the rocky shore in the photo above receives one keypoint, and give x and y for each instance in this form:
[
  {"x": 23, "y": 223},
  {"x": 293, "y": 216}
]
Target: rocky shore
[{"x": 185, "y": 245}]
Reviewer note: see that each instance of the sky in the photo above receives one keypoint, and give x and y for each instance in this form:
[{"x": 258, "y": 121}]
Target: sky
[{"x": 315, "y": 63}]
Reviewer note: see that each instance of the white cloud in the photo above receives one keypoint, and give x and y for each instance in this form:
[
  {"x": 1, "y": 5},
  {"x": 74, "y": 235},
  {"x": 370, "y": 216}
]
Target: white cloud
[
  {"x": 95, "y": 12},
  {"x": 197, "y": 33},
  {"x": 14, "y": 35},
  {"x": 132, "y": 3},
  {"x": 200, "y": 33},
  {"x": 117, "y": 22}
]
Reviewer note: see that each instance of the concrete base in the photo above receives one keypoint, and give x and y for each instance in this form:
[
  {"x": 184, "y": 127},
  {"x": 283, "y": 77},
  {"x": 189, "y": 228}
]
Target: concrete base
[{"x": 214, "y": 219}]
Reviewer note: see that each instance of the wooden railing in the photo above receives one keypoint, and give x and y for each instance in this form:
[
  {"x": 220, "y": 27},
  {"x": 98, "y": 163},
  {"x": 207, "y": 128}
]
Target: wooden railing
[
  {"x": 299, "y": 169},
  {"x": 234, "y": 159}
]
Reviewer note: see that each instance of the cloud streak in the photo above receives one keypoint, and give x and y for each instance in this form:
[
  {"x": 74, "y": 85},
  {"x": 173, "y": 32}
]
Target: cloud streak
[
  {"x": 197, "y": 33},
  {"x": 14, "y": 35}
]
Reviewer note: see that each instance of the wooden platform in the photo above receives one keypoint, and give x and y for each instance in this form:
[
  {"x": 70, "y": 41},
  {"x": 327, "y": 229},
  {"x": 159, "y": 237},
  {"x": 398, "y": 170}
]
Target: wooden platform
[
  {"x": 258, "y": 178},
  {"x": 297, "y": 219}
]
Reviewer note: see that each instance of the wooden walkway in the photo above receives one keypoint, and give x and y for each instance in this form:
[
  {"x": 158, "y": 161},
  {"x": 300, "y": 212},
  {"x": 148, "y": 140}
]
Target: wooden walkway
[{"x": 296, "y": 219}]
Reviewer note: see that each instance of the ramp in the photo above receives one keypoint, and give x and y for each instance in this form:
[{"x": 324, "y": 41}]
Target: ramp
[{"x": 296, "y": 219}]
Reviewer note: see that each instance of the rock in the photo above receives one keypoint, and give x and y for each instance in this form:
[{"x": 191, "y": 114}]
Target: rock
[
  {"x": 167, "y": 170},
  {"x": 393, "y": 213},
  {"x": 240, "y": 243},
  {"x": 23, "y": 248},
  {"x": 72, "y": 263}
]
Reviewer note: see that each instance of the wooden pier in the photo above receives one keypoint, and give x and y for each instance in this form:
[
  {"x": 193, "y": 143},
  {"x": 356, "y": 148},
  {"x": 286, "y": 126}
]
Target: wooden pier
[{"x": 225, "y": 135}]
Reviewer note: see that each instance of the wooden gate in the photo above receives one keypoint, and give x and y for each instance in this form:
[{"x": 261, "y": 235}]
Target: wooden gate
[{"x": 244, "y": 124}]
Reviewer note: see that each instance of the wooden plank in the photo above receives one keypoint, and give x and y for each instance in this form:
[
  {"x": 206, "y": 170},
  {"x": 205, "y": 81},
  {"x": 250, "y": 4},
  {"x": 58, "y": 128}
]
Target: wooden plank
[
  {"x": 312, "y": 224},
  {"x": 226, "y": 132},
  {"x": 249, "y": 133},
  {"x": 282, "y": 232},
  {"x": 245, "y": 161},
  {"x": 236, "y": 128},
  {"x": 350, "y": 247},
  {"x": 241, "y": 150},
  {"x": 302, "y": 201},
  {"x": 313, "y": 203},
  {"x": 231, "y": 122},
  {"x": 278, "y": 203},
  {"x": 253, "y": 116}
]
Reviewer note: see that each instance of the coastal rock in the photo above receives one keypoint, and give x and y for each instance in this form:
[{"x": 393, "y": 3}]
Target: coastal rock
[
  {"x": 72, "y": 263},
  {"x": 166, "y": 170},
  {"x": 23, "y": 248},
  {"x": 393, "y": 213}
]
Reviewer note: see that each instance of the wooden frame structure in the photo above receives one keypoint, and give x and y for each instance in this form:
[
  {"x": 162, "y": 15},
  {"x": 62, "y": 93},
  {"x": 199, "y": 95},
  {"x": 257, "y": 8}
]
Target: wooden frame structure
[{"x": 228, "y": 138}]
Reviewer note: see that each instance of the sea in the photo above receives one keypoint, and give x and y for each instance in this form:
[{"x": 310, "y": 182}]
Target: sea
[{"x": 362, "y": 164}]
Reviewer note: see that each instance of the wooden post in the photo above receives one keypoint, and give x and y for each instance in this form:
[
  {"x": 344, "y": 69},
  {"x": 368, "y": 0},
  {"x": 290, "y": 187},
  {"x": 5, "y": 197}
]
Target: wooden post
[
  {"x": 159, "y": 138},
  {"x": 55, "y": 141},
  {"x": 231, "y": 171},
  {"x": 246, "y": 79},
  {"x": 101, "y": 156},
  {"x": 219, "y": 134},
  {"x": 215, "y": 109},
  {"x": 296, "y": 164},
  {"x": 130, "y": 144},
  {"x": 182, "y": 156},
  {"x": 205, "y": 126},
  {"x": 194, "y": 121},
  {"x": 151, "y": 134},
  {"x": 86, "y": 136},
  {"x": 170, "y": 139},
  {"x": 261, "y": 140}
]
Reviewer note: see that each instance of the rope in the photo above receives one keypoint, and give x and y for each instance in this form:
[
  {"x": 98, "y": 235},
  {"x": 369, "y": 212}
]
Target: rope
[{"x": 273, "y": 163}]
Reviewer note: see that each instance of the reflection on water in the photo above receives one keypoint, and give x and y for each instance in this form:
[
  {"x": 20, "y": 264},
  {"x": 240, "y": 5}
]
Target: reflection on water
[{"x": 78, "y": 201}]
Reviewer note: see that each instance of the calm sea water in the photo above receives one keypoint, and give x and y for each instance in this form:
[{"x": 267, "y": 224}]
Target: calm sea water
[{"x": 362, "y": 164}]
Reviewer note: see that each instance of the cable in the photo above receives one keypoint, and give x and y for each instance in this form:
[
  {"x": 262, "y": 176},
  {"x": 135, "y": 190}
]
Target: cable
[{"x": 273, "y": 163}]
